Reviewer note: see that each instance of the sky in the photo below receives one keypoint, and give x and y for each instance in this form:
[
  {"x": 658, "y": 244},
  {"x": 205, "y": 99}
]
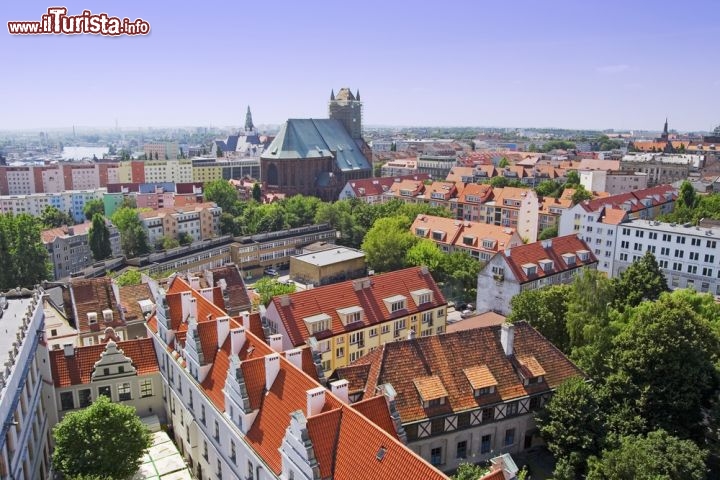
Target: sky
[{"x": 515, "y": 63}]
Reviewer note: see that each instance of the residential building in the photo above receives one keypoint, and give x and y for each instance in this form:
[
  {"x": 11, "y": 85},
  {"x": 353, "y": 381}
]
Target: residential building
[
  {"x": 687, "y": 254},
  {"x": 319, "y": 156},
  {"x": 597, "y": 220},
  {"x": 551, "y": 209},
  {"x": 24, "y": 388},
  {"x": 346, "y": 320},
  {"x": 480, "y": 240},
  {"x": 126, "y": 372},
  {"x": 372, "y": 190},
  {"x": 136, "y": 303},
  {"x": 464, "y": 396},
  {"x": 92, "y": 305},
  {"x": 71, "y": 202},
  {"x": 253, "y": 253},
  {"x": 199, "y": 221},
  {"x": 529, "y": 267},
  {"x": 56, "y": 178},
  {"x": 58, "y": 331},
  {"x": 437, "y": 166},
  {"x": 471, "y": 202},
  {"x": 176, "y": 171},
  {"x": 241, "y": 409},
  {"x": 399, "y": 167},
  {"x": 161, "y": 151},
  {"x": 227, "y": 278},
  {"x": 517, "y": 208},
  {"x": 331, "y": 265},
  {"x": 613, "y": 182},
  {"x": 662, "y": 168},
  {"x": 225, "y": 168},
  {"x": 69, "y": 247}
]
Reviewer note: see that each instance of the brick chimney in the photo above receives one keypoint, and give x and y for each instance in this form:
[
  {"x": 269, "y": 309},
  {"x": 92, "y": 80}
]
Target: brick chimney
[{"x": 507, "y": 338}]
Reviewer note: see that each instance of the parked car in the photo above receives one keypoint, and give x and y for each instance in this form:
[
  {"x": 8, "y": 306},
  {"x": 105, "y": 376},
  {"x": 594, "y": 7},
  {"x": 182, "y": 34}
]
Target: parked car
[{"x": 271, "y": 271}]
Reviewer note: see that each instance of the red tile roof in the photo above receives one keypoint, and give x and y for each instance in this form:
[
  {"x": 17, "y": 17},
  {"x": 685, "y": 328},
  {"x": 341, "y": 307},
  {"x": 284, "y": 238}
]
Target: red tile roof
[
  {"x": 376, "y": 410},
  {"x": 463, "y": 234},
  {"x": 552, "y": 249},
  {"x": 448, "y": 356},
  {"x": 130, "y": 295},
  {"x": 95, "y": 295},
  {"x": 328, "y": 299},
  {"x": 238, "y": 298},
  {"x": 77, "y": 369},
  {"x": 49, "y": 235},
  {"x": 632, "y": 201}
]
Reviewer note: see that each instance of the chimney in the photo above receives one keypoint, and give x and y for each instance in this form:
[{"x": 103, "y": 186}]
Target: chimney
[
  {"x": 245, "y": 315},
  {"x": 193, "y": 308},
  {"x": 207, "y": 293},
  {"x": 223, "y": 328},
  {"x": 284, "y": 300},
  {"x": 223, "y": 284},
  {"x": 194, "y": 282},
  {"x": 507, "y": 252},
  {"x": 185, "y": 298},
  {"x": 294, "y": 356},
  {"x": 272, "y": 367},
  {"x": 315, "y": 401},
  {"x": 339, "y": 388},
  {"x": 276, "y": 342},
  {"x": 237, "y": 340},
  {"x": 69, "y": 349},
  {"x": 424, "y": 270},
  {"x": 411, "y": 334},
  {"x": 507, "y": 338}
]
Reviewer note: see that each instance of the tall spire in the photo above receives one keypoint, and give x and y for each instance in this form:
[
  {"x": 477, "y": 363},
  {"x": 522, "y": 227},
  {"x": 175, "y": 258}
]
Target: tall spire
[
  {"x": 665, "y": 130},
  {"x": 357, "y": 95},
  {"x": 248, "y": 121},
  {"x": 332, "y": 94}
]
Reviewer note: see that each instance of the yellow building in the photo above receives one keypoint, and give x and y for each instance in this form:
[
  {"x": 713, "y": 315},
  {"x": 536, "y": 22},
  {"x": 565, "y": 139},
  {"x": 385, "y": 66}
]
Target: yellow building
[{"x": 344, "y": 321}]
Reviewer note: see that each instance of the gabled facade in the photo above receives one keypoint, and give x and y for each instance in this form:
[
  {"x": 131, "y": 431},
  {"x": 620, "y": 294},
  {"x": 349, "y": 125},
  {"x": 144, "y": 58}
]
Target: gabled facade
[
  {"x": 465, "y": 396},
  {"x": 373, "y": 190},
  {"x": 528, "y": 267},
  {"x": 344, "y": 321}
]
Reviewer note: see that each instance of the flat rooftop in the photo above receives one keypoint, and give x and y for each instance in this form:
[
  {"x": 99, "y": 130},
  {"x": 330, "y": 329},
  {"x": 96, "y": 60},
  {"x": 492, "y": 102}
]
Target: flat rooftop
[
  {"x": 330, "y": 257},
  {"x": 10, "y": 323},
  {"x": 712, "y": 233}
]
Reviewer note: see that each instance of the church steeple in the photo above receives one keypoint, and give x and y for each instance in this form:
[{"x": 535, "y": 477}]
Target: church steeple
[
  {"x": 665, "y": 130},
  {"x": 332, "y": 94},
  {"x": 357, "y": 94},
  {"x": 664, "y": 137},
  {"x": 248, "y": 121}
]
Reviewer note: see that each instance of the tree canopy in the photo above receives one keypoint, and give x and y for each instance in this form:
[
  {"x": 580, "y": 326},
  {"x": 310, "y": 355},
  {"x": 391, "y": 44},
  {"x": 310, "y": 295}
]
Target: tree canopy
[
  {"x": 92, "y": 207},
  {"x": 23, "y": 258},
  {"x": 469, "y": 471},
  {"x": 51, "y": 217},
  {"x": 99, "y": 238},
  {"x": 222, "y": 193},
  {"x": 387, "y": 243},
  {"x": 129, "y": 277},
  {"x": 133, "y": 238},
  {"x": 268, "y": 288},
  {"x": 642, "y": 280},
  {"x": 105, "y": 439}
]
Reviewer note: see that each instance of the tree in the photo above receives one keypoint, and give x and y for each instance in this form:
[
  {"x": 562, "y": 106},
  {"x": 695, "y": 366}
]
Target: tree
[
  {"x": 133, "y": 238},
  {"x": 169, "y": 243},
  {"x": 105, "y": 439},
  {"x": 573, "y": 178},
  {"x": 228, "y": 225},
  {"x": 256, "y": 192},
  {"x": 548, "y": 188},
  {"x": 268, "y": 288},
  {"x": 425, "y": 252},
  {"x": 666, "y": 358},
  {"x": 548, "y": 232},
  {"x": 23, "y": 258},
  {"x": 687, "y": 197},
  {"x": 184, "y": 238},
  {"x": 643, "y": 280},
  {"x": 51, "y": 217},
  {"x": 99, "y": 238},
  {"x": 572, "y": 423},
  {"x": 546, "y": 310},
  {"x": 580, "y": 195},
  {"x": 458, "y": 274},
  {"x": 387, "y": 243},
  {"x": 92, "y": 207},
  {"x": 300, "y": 210},
  {"x": 655, "y": 456},
  {"x": 129, "y": 277},
  {"x": 222, "y": 193},
  {"x": 469, "y": 471},
  {"x": 503, "y": 162}
]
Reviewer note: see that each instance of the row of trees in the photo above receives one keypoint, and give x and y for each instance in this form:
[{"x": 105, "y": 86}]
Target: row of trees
[
  {"x": 653, "y": 356},
  {"x": 690, "y": 207}
]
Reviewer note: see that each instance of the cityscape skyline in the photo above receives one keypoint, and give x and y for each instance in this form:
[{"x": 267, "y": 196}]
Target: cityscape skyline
[{"x": 574, "y": 66}]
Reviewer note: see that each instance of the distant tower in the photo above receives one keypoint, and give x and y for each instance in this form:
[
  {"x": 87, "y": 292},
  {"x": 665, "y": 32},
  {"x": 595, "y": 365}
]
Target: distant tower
[
  {"x": 249, "y": 127},
  {"x": 664, "y": 135},
  {"x": 347, "y": 109}
]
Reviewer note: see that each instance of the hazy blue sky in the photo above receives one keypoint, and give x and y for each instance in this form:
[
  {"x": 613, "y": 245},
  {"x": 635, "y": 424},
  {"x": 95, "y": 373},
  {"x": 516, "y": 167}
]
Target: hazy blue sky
[{"x": 563, "y": 63}]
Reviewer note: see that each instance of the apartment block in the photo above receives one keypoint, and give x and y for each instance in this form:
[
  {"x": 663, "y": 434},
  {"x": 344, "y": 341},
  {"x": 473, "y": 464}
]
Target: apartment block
[
  {"x": 687, "y": 254},
  {"x": 346, "y": 320},
  {"x": 25, "y": 387},
  {"x": 466, "y": 396},
  {"x": 529, "y": 267},
  {"x": 480, "y": 240},
  {"x": 71, "y": 201},
  {"x": 613, "y": 182},
  {"x": 200, "y": 221},
  {"x": 69, "y": 248},
  {"x": 662, "y": 168},
  {"x": 161, "y": 150}
]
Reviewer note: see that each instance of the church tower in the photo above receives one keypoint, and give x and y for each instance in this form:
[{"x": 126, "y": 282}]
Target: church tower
[
  {"x": 249, "y": 127},
  {"x": 347, "y": 109}
]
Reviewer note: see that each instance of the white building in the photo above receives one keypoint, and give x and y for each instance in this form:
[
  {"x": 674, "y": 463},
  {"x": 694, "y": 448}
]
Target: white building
[
  {"x": 71, "y": 201},
  {"x": 613, "y": 182},
  {"x": 688, "y": 255},
  {"x": 25, "y": 386},
  {"x": 529, "y": 267}
]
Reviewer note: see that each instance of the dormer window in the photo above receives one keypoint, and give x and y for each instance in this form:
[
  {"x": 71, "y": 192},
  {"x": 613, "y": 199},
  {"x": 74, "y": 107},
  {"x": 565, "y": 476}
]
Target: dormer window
[
  {"x": 468, "y": 240},
  {"x": 479, "y": 392},
  {"x": 529, "y": 269},
  {"x": 546, "y": 265},
  {"x": 395, "y": 303},
  {"x": 530, "y": 370},
  {"x": 350, "y": 315},
  {"x": 481, "y": 379},
  {"x": 489, "y": 243},
  {"x": 438, "y": 235},
  {"x": 107, "y": 315},
  {"x": 569, "y": 258},
  {"x": 431, "y": 390},
  {"x": 420, "y": 232},
  {"x": 422, "y": 296},
  {"x": 92, "y": 318},
  {"x": 583, "y": 255},
  {"x": 317, "y": 323}
]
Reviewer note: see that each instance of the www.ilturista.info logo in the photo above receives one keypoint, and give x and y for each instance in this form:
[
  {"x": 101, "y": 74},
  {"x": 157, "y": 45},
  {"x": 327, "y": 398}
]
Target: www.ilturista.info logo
[{"x": 57, "y": 21}]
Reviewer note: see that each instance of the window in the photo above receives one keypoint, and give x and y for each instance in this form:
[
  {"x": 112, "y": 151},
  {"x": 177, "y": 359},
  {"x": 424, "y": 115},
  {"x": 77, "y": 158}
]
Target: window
[
  {"x": 105, "y": 391},
  {"x": 84, "y": 397},
  {"x": 509, "y": 436},
  {"x": 637, "y": 247},
  {"x": 436, "y": 456},
  {"x": 483, "y": 391},
  {"x": 340, "y": 352},
  {"x": 205, "y": 450},
  {"x": 396, "y": 306},
  {"x": 488, "y": 414},
  {"x": 399, "y": 324},
  {"x": 217, "y": 431},
  {"x": 373, "y": 332},
  {"x": 623, "y": 257},
  {"x": 680, "y": 239},
  {"x": 694, "y": 256},
  {"x": 711, "y": 244},
  {"x": 667, "y": 237},
  {"x": 461, "y": 451},
  {"x": 427, "y": 317},
  {"x": 709, "y": 258},
  {"x": 535, "y": 403},
  {"x": 651, "y": 248},
  {"x": 511, "y": 409},
  {"x": 66, "y": 401},
  {"x": 626, "y": 231},
  {"x": 679, "y": 253},
  {"x": 250, "y": 470},
  {"x": 639, "y": 233},
  {"x": 664, "y": 251},
  {"x": 677, "y": 266},
  {"x": 106, "y": 371},
  {"x": 219, "y": 469},
  {"x": 485, "y": 443},
  {"x": 385, "y": 328},
  {"x": 692, "y": 269},
  {"x": 124, "y": 392},
  {"x": 707, "y": 272},
  {"x": 624, "y": 244},
  {"x": 202, "y": 414},
  {"x": 357, "y": 338},
  {"x": 233, "y": 456},
  {"x": 146, "y": 389},
  {"x": 652, "y": 235}
]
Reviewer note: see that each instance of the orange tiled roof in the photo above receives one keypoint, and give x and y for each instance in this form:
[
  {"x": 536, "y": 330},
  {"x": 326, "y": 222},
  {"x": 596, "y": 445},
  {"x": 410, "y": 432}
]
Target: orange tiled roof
[
  {"x": 430, "y": 387},
  {"x": 486, "y": 319},
  {"x": 482, "y": 192},
  {"x": 531, "y": 365},
  {"x": 130, "y": 295},
  {"x": 77, "y": 370},
  {"x": 480, "y": 376},
  {"x": 465, "y": 234},
  {"x": 447, "y": 356},
  {"x": 366, "y": 187},
  {"x": 49, "y": 235},
  {"x": 238, "y": 298},
  {"x": 532, "y": 253},
  {"x": 95, "y": 295},
  {"x": 376, "y": 410},
  {"x": 633, "y": 200},
  {"x": 496, "y": 475},
  {"x": 613, "y": 216},
  {"x": 328, "y": 299}
]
